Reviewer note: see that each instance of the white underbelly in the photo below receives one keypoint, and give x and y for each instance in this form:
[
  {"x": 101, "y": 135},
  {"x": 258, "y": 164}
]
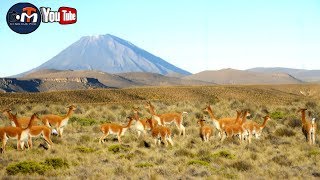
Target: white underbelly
[
  {"x": 64, "y": 122},
  {"x": 113, "y": 132},
  {"x": 139, "y": 127},
  {"x": 24, "y": 135}
]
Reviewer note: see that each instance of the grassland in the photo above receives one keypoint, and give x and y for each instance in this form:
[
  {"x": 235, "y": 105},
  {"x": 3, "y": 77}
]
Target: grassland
[{"x": 281, "y": 153}]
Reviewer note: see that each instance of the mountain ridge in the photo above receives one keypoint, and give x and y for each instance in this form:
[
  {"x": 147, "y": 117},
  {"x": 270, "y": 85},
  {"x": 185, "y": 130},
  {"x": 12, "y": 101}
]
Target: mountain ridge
[
  {"x": 234, "y": 76},
  {"x": 110, "y": 54},
  {"x": 302, "y": 74}
]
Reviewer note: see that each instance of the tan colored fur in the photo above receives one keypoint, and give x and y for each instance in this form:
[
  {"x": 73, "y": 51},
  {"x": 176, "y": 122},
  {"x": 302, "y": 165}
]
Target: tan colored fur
[
  {"x": 35, "y": 131},
  {"x": 23, "y": 121},
  {"x": 21, "y": 134},
  {"x": 231, "y": 130},
  {"x": 162, "y": 132},
  {"x": 205, "y": 130},
  {"x": 168, "y": 118},
  {"x": 219, "y": 124},
  {"x": 113, "y": 128},
  {"x": 308, "y": 128},
  {"x": 56, "y": 121},
  {"x": 141, "y": 125},
  {"x": 254, "y": 128}
]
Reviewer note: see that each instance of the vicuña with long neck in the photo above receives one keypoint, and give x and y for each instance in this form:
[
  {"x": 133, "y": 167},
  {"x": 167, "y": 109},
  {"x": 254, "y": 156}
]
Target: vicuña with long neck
[
  {"x": 219, "y": 124},
  {"x": 115, "y": 129},
  {"x": 230, "y": 130},
  {"x": 21, "y": 134},
  {"x": 56, "y": 121},
  {"x": 308, "y": 128},
  {"x": 35, "y": 131},
  {"x": 168, "y": 118},
  {"x": 23, "y": 121}
]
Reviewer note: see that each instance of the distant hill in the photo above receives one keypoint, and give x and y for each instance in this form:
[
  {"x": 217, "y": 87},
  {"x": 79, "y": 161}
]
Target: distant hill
[
  {"x": 153, "y": 79},
  {"x": 110, "y": 80},
  {"x": 108, "y": 53},
  {"x": 49, "y": 80},
  {"x": 233, "y": 76},
  {"x": 302, "y": 74},
  {"x": 48, "y": 84}
]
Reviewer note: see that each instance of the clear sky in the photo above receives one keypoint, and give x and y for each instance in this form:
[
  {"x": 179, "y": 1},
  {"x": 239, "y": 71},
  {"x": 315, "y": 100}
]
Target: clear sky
[{"x": 193, "y": 35}]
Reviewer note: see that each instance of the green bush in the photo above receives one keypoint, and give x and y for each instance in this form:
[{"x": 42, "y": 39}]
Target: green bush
[
  {"x": 85, "y": 149},
  {"x": 277, "y": 115},
  {"x": 128, "y": 156},
  {"x": 26, "y": 167},
  {"x": 224, "y": 154},
  {"x": 56, "y": 163},
  {"x": 198, "y": 162},
  {"x": 117, "y": 148},
  {"x": 144, "y": 165},
  {"x": 314, "y": 152},
  {"x": 83, "y": 121}
]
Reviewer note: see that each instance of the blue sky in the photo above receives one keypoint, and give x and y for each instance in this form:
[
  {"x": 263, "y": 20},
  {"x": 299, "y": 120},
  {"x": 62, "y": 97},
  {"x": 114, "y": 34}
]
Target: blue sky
[{"x": 194, "y": 35}]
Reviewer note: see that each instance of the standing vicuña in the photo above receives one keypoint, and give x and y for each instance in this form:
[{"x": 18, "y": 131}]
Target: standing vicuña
[
  {"x": 162, "y": 132},
  {"x": 255, "y": 128},
  {"x": 21, "y": 134},
  {"x": 219, "y": 124},
  {"x": 205, "y": 130},
  {"x": 141, "y": 125},
  {"x": 308, "y": 128},
  {"x": 35, "y": 131},
  {"x": 168, "y": 118},
  {"x": 236, "y": 129},
  {"x": 56, "y": 121},
  {"x": 113, "y": 128}
]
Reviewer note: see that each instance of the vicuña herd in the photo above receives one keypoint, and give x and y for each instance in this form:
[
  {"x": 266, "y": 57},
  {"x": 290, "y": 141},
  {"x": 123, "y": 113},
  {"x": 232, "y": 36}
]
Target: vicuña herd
[{"x": 23, "y": 129}]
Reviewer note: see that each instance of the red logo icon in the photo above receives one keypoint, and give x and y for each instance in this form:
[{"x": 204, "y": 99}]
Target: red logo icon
[{"x": 67, "y": 15}]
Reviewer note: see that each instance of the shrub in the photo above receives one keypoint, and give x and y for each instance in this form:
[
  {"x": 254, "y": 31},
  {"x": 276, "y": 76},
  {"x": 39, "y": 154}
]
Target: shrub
[
  {"x": 241, "y": 166},
  {"x": 26, "y": 167},
  {"x": 277, "y": 115},
  {"x": 294, "y": 122},
  {"x": 117, "y": 148},
  {"x": 83, "y": 121},
  {"x": 213, "y": 100},
  {"x": 224, "y": 154},
  {"x": 198, "y": 162},
  {"x": 284, "y": 132},
  {"x": 85, "y": 149},
  {"x": 84, "y": 139},
  {"x": 128, "y": 156},
  {"x": 183, "y": 152},
  {"x": 282, "y": 160},
  {"x": 314, "y": 152},
  {"x": 56, "y": 163},
  {"x": 144, "y": 165},
  {"x": 311, "y": 105}
]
